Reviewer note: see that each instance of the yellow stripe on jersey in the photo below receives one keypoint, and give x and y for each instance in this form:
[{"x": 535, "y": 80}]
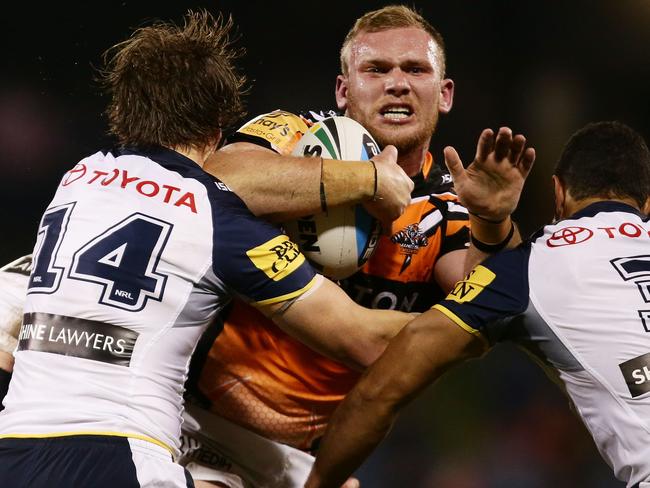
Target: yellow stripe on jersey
[
  {"x": 280, "y": 129},
  {"x": 468, "y": 289},
  {"x": 277, "y": 258},
  {"x": 288, "y": 296},
  {"x": 460, "y": 322},
  {"x": 89, "y": 432}
]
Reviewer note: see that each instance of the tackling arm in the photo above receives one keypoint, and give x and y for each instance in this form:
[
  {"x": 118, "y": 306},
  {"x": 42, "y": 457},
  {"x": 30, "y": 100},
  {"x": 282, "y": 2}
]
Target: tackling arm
[
  {"x": 280, "y": 187},
  {"x": 420, "y": 353},
  {"x": 329, "y": 322}
]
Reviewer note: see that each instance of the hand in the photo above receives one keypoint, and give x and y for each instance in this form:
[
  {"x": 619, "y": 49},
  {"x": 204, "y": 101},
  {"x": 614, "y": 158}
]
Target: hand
[
  {"x": 394, "y": 188},
  {"x": 491, "y": 185}
]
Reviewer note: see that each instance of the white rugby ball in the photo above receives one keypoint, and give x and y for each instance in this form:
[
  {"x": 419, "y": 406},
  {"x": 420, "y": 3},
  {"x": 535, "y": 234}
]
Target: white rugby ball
[{"x": 338, "y": 242}]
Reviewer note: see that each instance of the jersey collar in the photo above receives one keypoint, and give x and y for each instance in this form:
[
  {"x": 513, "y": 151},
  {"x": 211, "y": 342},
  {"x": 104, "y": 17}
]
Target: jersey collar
[
  {"x": 607, "y": 206},
  {"x": 167, "y": 158}
]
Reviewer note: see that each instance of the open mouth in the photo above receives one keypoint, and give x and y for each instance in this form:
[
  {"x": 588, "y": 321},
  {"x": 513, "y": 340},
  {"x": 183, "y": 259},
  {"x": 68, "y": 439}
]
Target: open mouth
[{"x": 396, "y": 113}]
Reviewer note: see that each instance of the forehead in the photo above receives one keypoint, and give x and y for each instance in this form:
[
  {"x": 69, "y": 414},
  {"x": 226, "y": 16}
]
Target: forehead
[{"x": 397, "y": 46}]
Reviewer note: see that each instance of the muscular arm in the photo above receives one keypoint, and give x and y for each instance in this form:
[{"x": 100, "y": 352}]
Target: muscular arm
[
  {"x": 328, "y": 321},
  {"x": 421, "y": 352},
  {"x": 281, "y": 187}
]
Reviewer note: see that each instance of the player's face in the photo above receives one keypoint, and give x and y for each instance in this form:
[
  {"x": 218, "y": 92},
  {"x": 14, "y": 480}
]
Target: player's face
[{"x": 394, "y": 86}]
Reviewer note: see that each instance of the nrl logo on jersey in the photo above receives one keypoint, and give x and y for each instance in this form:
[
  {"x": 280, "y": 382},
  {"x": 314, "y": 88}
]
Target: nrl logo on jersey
[{"x": 410, "y": 239}]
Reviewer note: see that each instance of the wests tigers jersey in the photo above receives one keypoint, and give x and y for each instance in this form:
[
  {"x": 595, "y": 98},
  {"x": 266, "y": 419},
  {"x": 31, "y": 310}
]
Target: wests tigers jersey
[
  {"x": 135, "y": 255},
  {"x": 260, "y": 378}
]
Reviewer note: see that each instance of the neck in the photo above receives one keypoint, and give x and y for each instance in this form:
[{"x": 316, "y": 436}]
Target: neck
[
  {"x": 412, "y": 161},
  {"x": 574, "y": 206},
  {"x": 196, "y": 155}
]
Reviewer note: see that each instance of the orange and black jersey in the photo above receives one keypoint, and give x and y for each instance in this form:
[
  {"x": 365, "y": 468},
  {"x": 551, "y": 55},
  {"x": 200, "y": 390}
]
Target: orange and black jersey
[
  {"x": 260, "y": 378},
  {"x": 400, "y": 273}
]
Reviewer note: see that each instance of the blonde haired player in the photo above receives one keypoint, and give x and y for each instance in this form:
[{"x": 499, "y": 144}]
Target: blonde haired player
[{"x": 274, "y": 396}]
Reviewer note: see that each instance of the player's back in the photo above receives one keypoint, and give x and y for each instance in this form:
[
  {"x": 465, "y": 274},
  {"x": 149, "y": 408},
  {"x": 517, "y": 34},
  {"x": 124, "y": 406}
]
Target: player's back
[
  {"x": 122, "y": 288},
  {"x": 589, "y": 279}
]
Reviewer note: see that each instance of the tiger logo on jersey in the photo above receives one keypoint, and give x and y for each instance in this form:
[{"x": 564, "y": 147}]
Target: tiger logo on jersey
[{"x": 410, "y": 239}]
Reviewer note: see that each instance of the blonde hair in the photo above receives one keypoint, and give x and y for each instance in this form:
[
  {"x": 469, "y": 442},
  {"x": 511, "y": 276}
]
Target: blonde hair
[{"x": 386, "y": 18}]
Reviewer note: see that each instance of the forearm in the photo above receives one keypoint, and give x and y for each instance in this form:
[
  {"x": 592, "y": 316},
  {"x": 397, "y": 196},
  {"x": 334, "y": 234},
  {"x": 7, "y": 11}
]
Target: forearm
[
  {"x": 282, "y": 187},
  {"x": 421, "y": 352},
  {"x": 329, "y": 322},
  {"x": 349, "y": 447}
]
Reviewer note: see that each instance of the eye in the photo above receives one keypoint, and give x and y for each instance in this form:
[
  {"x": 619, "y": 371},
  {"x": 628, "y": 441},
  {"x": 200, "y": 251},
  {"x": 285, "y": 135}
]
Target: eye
[
  {"x": 415, "y": 70},
  {"x": 375, "y": 69}
]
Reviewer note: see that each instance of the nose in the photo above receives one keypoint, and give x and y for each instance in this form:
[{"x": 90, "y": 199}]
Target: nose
[{"x": 397, "y": 83}]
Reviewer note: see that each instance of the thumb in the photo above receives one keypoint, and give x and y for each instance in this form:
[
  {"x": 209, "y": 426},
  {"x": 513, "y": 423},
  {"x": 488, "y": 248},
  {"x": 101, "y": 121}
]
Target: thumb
[
  {"x": 454, "y": 164},
  {"x": 388, "y": 155}
]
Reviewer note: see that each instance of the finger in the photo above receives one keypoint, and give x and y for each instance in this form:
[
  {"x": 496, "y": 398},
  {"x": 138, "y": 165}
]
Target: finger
[
  {"x": 527, "y": 161},
  {"x": 351, "y": 483},
  {"x": 485, "y": 144},
  {"x": 517, "y": 148},
  {"x": 454, "y": 164},
  {"x": 503, "y": 143}
]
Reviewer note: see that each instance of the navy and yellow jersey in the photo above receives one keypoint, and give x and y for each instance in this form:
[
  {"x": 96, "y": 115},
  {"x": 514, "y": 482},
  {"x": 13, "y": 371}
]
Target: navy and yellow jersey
[
  {"x": 577, "y": 297},
  {"x": 137, "y": 252},
  {"x": 260, "y": 378}
]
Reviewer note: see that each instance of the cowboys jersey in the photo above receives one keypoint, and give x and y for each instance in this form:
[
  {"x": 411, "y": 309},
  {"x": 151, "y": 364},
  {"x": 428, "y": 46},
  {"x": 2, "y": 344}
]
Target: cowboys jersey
[
  {"x": 136, "y": 254},
  {"x": 577, "y": 296}
]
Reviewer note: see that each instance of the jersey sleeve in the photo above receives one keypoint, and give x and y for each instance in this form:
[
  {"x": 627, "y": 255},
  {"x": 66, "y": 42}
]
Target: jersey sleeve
[
  {"x": 278, "y": 130},
  {"x": 492, "y": 293},
  {"x": 254, "y": 258}
]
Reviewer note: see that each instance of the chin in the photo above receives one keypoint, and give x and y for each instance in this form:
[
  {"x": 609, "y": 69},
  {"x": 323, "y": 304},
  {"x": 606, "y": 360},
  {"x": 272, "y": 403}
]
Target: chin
[{"x": 405, "y": 141}]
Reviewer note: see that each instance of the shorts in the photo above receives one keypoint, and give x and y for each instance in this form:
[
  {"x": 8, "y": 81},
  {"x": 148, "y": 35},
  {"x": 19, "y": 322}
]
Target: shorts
[
  {"x": 88, "y": 461},
  {"x": 214, "y": 449}
]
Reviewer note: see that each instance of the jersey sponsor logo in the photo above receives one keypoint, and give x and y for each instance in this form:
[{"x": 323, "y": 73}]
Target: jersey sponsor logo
[
  {"x": 203, "y": 452},
  {"x": 469, "y": 288},
  {"x": 637, "y": 374},
  {"x": 576, "y": 235},
  {"x": 568, "y": 236},
  {"x": 277, "y": 258},
  {"x": 221, "y": 186},
  {"x": 71, "y": 336},
  {"x": 120, "y": 178},
  {"x": 279, "y": 128},
  {"x": 626, "y": 229},
  {"x": 79, "y": 171},
  {"x": 410, "y": 239}
]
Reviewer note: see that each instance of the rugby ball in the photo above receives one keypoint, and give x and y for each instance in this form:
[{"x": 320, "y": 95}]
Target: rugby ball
[{"x": 339, "y": 242}]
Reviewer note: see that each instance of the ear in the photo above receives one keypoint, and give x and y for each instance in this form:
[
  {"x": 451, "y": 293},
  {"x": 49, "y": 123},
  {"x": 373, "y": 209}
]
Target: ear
[
  {"x": 560, "y": 197},
  {"x": 446, "y": 99},
  {"x": 646, "y": 207},
  {"x": 341, "y": 92}
]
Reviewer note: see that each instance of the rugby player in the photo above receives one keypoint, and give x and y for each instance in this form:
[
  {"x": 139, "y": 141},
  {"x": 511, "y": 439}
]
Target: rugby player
[
  {"x": 137, "y": 252},
  {"x": 575, "y": 296},
  {"x": 273, "y": 395}
]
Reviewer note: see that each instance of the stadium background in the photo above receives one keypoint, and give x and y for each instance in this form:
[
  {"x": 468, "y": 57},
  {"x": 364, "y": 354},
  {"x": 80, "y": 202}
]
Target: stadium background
[{"x": 544, "y": 68}]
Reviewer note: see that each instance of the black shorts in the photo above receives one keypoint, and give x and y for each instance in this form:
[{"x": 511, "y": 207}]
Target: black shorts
[{"x": 88, "y": 461}]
